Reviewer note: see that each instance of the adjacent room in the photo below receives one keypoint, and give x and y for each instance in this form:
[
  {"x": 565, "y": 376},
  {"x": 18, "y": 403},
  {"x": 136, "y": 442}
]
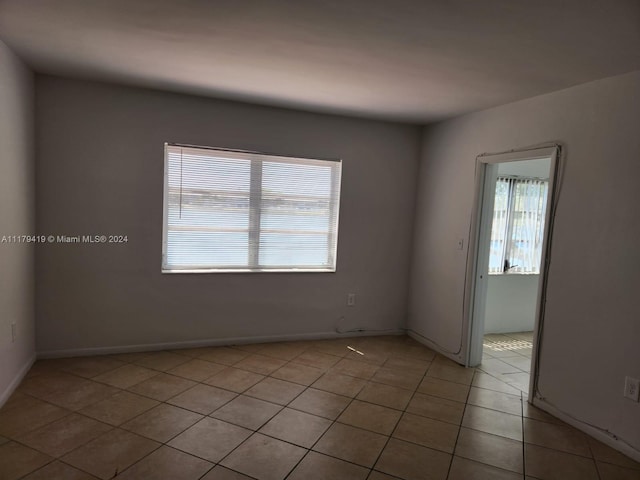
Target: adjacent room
[{"x": 344, "y": 240}]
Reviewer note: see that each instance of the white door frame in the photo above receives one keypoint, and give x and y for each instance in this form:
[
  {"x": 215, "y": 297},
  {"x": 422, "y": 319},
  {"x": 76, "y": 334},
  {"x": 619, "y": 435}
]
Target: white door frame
[{"x": 478, "y": 263}]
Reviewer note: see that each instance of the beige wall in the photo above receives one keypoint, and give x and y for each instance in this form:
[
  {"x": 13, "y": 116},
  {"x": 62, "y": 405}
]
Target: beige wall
[
  {"x": 591, "y": 329},
  {"x": 100, "y": 171},
  {"x": 16, "y": 218}
]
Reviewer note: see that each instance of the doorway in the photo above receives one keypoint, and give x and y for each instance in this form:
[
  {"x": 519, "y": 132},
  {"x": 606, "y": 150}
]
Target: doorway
[{"x": 507, "y": 260}]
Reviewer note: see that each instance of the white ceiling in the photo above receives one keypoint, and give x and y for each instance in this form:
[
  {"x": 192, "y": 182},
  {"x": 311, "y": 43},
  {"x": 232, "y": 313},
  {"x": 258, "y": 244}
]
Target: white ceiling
[{"x": 406, "y": 60}]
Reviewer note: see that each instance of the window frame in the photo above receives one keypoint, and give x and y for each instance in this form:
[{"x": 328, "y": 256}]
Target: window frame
[
  {"x": 513, "y": 180},
  {"x": 253, "y": 229}
]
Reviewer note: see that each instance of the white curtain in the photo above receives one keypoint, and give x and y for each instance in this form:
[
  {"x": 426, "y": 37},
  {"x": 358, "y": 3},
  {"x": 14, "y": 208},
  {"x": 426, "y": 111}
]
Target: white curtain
[{"x": 518, "y": 225}]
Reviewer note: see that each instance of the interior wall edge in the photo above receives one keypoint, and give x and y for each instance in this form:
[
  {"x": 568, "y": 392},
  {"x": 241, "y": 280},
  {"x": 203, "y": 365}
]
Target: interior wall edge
[{"x": 8, "y": 391}]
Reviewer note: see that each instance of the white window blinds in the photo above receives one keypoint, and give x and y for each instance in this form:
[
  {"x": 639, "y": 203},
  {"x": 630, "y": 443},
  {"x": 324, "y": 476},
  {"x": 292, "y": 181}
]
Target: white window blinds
[
  {"x": 241, "y": 211},
  {"x": 518, "y": 225}
]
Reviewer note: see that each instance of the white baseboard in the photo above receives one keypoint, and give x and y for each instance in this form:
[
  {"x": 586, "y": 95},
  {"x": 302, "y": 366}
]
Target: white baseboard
[
  {"x": 4, "y": 396},
  {"x": 598, "y": 434},
  {"x": 433, "y": 346},
  {"x": 213, "y": 342}
]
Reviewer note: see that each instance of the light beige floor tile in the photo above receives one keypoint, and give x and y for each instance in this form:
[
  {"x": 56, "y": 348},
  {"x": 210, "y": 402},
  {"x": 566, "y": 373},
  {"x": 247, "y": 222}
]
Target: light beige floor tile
[
  {"x": 128, "y": 357},
  {"x": 321, "y": 403},
  {"x": 110, "y": 453},
  {"x": 530, "y": 411},
  {"x": 126, "y": 376},
  {"x": 464, "y": 469},
  {"x": 427, "y": 432},
  {"x": 162, "y": 387},
  {"x": 605, "y": 453},
  {"x": 355, "y": 369},
  {"x": 162, "y": 423},
  {"x": 202, "y": 399},
  {"x": 167, "y": 463},
  {"x": 296, "y": 427},
  {"x": 340, "y": 384},
  {"x": 197, "y": 370},
  {"x": 162, "y": 361},
  {"x": 489, "y": 382},
  {"x": 247, "y": 412},
  {"x": 284, "y": 351},
  {"x": 385, "y": 395},
  {"x": 436, "y": 408},
  {"x": 298, "y": 373},
  {"x": 224, "y": 355},
  {"x": 522, "y": 363},
  {"x": 275, "y": 391},
  {"x": 29, "y": 414},
  {"x": 336, "y": 347},
  {"x": 407, "y": 364},
  {"x": 234, "y": 379},
  {"x": 222, "y": 473},
  {"x": 418, "y": 352},
  {"x": 444, "y": 389},
  {"x": 368, "y": 355},
  {"x": 380, "y": 476},
  {"x": 85, "y": 394},
  {"x": 17, "y": 460},
  {"x": 90, "y": 367},
  {"x": 558, "y": 437},
  {"x": 352, "y": 444},
  {"x": 397, "y": 378},
  {"x": 547, "y": 464},
  {"x": 495, "y": 366},
  {"x": 413, "y": 462},
  {"x": 370, "y": 417},
  {"x": 261, "y": 364},
  {"x": 43, "y": 386},
  {"x": 318, "y": 359},
  {"x": 315, "y": 466},
  {"x": 64, "y": 435},
  {"x": 517, "y": 380},
  {"x": 119, "y": 408},
  {"x": 493, "y": 450},
  {"x": 59, "y": 471},
  {"x": 264, "y": 458},
  {"x": 456, "y": 374},
  {"x": 502, "y": 402},
  {"x": 615, "y": 472},
  {"x": 492, "y": 421},
  {"x": 210, "y": 439}
]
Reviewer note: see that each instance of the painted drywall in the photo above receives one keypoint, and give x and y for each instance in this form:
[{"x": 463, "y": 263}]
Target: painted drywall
[
  {"x": 511, "y": 303},
  {"x": 17, "y": 217},
  {"x": 591, "y": 327},
  {"x": 100, "y": 171}
]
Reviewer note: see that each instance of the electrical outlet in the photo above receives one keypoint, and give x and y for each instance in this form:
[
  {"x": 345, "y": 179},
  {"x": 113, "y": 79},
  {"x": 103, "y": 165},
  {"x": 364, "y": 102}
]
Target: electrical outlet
[
  {"x": 632, "y": 388},
  {"x": 351, "y": 300},
  {"x": 13, "y": 332}
]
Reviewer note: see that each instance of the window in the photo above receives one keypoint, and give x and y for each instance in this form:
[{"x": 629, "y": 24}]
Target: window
[
  {"x": 243, "y": 211},
  {"x": 518, "y": 225}
]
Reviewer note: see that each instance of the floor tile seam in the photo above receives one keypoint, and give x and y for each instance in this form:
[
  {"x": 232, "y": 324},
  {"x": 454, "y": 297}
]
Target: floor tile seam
[
  {"x": 384, "y": 447},
  {"x": 562, "y": 451},
  {"x": 447, "y": 380},
  {"x": 488, "y": 464},
  {"x": 455, "y": 444},
  {"x": 166, "y": 442},
  {"x": 111, "y": 427}
]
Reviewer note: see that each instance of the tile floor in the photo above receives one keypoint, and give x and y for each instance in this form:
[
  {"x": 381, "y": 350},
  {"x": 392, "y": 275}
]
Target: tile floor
[{"x": 298, "y": 411}]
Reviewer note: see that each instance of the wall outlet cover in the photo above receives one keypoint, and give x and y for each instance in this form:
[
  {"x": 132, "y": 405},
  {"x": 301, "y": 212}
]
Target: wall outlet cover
[{"x": 632, "y": 388}]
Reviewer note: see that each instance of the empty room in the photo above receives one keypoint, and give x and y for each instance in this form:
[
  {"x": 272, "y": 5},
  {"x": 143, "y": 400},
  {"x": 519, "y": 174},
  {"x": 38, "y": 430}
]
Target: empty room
[{"x": 275, "y": 239}]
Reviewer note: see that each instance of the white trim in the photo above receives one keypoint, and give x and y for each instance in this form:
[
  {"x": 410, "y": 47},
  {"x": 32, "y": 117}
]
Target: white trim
[
  {"x": 212, "y": 342},
  {"x": 590, "y": 430},
  {"x": 16, "y": 380}
]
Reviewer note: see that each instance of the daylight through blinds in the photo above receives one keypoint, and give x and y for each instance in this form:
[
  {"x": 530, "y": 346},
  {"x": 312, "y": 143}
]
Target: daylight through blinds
[{"x": 227, "y": 210}]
